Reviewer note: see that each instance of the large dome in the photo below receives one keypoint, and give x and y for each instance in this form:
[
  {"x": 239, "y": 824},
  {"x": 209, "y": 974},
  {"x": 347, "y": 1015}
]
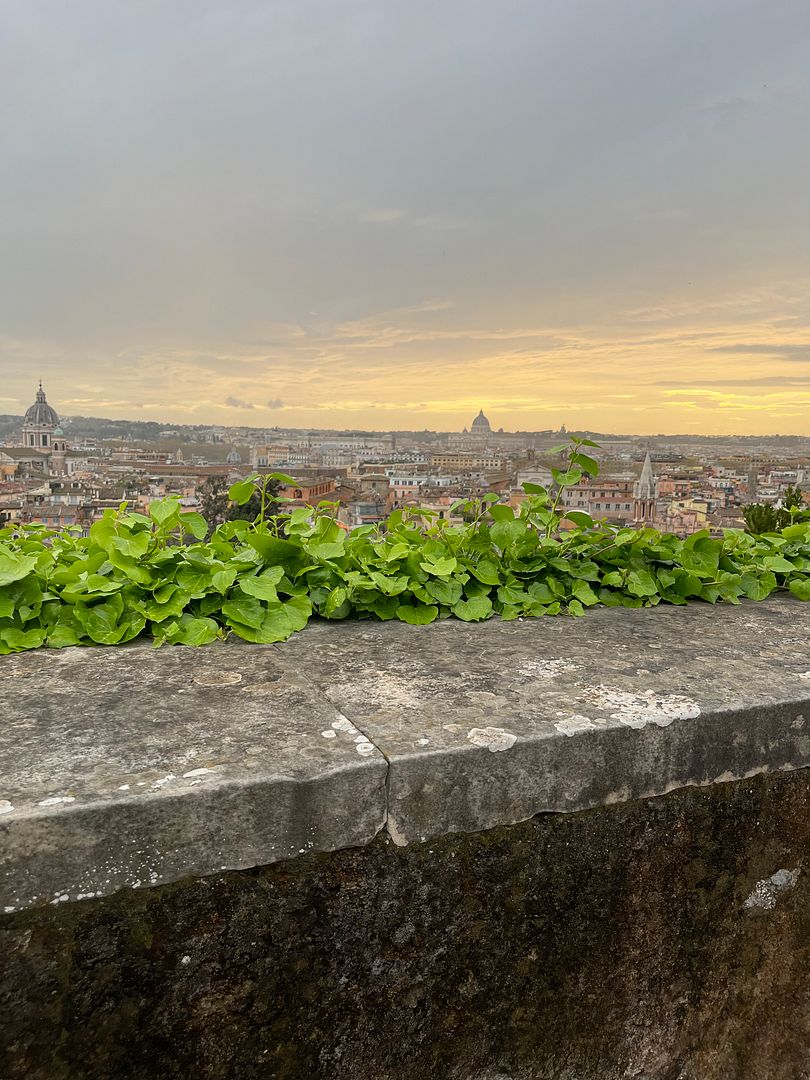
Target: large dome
[
  {"x": 480, "y": 424},
  {"x": 40, "y": 413}
]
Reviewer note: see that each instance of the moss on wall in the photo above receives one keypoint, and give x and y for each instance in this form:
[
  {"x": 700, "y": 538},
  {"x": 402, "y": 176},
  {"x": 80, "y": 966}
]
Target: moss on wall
[{"x": 647, "y": 940}]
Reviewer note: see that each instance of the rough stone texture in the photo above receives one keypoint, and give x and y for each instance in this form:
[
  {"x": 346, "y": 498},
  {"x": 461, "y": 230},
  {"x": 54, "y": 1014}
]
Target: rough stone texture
[
  {"x": 492, "y": 723},
  {"x": 664, "y": 939},
  {"x": 123, "y": 768}
]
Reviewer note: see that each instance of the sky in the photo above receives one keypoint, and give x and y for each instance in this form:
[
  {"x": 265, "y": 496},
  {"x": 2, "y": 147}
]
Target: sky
[{"x": 377, "y": 214}]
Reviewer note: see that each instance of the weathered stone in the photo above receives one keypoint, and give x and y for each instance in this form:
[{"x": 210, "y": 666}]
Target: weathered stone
[
  {"x": 492, "y": 723},
  {"x": 610, "y": 944},
  {"x": 127, "y": 767}
]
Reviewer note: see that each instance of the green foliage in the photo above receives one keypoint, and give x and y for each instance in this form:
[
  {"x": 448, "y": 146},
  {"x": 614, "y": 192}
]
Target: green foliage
[
  {"x": 262, "y": 579},
  {"x": 764, "y": 518},
  {"x": 219, "y": 504}
]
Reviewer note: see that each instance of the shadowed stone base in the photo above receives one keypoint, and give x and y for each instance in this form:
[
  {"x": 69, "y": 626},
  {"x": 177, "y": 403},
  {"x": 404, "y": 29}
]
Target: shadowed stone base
[{"x": 664, "y": 939}]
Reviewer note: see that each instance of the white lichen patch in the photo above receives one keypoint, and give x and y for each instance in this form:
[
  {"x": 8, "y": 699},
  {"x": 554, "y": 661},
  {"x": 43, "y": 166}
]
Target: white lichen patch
[
  {"x": 5, "y": 806},
  {"x": 56, "y": 800},
  {"x": 343, "y": 723},
  {"x": 365, "y": 747},
  {"x": 636, "y": 710},
  {"x": 804, "y": 674},
  {"x": 217, "y": 678},
  {"x": 329, "y": 734},
  {"x": 493, "y": 738},
  {"x": 575, "y": 725},
  {"x": 164, "y": 780},
  {"x": 765, "y": 893},
  {"x": 454, "y": 729},
  {"x": 545, "y": 669},
  {"x": 197, "y": 772}
]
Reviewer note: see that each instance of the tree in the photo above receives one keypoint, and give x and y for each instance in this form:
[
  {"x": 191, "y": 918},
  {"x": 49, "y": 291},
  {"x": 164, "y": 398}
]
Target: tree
[
  {"x": 793, "y": 498},
  {"x": 216, "y": 507},
  {"x": 759, "y": 518},
  {"x": 214, "y": 502},
  {"x": 762, "y": 518}
]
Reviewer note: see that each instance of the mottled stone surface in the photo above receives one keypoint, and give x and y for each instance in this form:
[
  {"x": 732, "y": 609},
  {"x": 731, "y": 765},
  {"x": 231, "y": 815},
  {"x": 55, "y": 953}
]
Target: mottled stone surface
[
  {"x": 491, "y": 723},
  {"x": 122, "y": 768},
  {"x": 128, "y": 767},
  {"x": 663, "y": 939}
]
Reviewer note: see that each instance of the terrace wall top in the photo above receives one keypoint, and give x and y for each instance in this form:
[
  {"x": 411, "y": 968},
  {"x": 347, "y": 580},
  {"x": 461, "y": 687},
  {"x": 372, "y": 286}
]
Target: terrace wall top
[{"x": 131, "y": 767}]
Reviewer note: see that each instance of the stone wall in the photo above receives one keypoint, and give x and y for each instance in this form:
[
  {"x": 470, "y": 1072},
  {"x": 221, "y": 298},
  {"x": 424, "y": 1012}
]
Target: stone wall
[{"x": 560, "y": 849}]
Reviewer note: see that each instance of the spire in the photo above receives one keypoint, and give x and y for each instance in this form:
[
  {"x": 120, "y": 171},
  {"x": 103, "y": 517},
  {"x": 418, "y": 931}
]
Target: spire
[{"x": 646, "y": 482}]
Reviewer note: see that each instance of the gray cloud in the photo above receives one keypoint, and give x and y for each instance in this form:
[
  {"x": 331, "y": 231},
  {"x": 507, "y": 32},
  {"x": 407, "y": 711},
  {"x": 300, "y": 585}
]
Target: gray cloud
[
  {"x": 238, "y": 403},
  {"x": 218, "y": 178},
  {"x": 275, "y": 403},
  {"x": 761, "y": 380},
  {"x": 796, "y": 353}
]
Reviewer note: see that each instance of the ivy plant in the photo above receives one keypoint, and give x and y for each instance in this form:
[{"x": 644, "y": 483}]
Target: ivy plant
[{"x": 168, "y": 577}]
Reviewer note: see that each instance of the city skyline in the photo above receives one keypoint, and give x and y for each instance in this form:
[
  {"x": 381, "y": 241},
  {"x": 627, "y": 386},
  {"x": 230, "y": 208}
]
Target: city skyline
[{"x": 356, "y": 216}]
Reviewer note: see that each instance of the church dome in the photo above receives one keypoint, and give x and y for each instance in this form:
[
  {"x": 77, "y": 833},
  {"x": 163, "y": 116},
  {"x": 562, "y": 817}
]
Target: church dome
[
  {"x": 234, "y": 457},
  {"x": 40, "y": 414},
  {"x": 480, "y": 425}
]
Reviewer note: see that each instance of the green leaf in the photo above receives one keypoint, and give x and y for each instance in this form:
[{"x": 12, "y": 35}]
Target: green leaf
[
  {"x": 101, "y": 622},
  {"x": 800, "y": 587},
  {"x": 501, "y": 512},
  {"x": 473, "y": 609},
  {"x": 262, "y": 587},
  {"x": 164, "y": 511},
  {"x": 337, "y": 605},
  {"x": 14, "y": 567},
  {"x": 441, "y": 567},
  {"x": 584, "y": 593},
  {"x": 641, "y": 583},
  {"x": 446, "y": 592},
  {"x": 417, "y": 616},
  {"x": 244, "y": 612},
  {"x": 588, "y": 465},
  {"x": 778, "y": 563},
  {"x": 188, "y": 630},
  {"x": 19, "y": 640},
  {"x": 486, "y": 571},
  {"x": 194, "y": 523},
  {"x": 280, "y": 620},
  {"x": 61, "y": 637},
  {"x": 568, "y": 478},
  {"x": 758, "y": 586},
  {"x": 241, "y": 492},
  {"x": 506, "y": 533},
  {"x": 579, "y": 518}
]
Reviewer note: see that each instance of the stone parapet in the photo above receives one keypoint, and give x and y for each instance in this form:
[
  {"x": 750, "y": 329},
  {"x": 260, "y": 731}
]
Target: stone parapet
[{"x": 126, "y": 768}]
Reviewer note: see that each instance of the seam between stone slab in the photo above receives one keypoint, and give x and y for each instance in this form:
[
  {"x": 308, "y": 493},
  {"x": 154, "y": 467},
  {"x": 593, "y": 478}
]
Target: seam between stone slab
[
  {"x": 399, "y": 835},
  {"x": 386, "y": 826}
]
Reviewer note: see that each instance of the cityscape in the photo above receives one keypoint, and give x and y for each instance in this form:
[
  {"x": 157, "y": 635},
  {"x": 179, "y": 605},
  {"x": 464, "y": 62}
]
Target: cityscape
[{"x": 65, "y": 472}]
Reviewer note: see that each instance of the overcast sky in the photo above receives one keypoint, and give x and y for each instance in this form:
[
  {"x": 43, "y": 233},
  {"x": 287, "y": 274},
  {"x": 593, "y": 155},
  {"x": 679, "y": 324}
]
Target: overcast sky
[{"x": 386, "y": 213}]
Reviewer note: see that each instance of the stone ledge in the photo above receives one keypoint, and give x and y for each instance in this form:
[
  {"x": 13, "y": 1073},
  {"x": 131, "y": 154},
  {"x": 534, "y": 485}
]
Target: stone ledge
[{"x": 125, "y": 768}]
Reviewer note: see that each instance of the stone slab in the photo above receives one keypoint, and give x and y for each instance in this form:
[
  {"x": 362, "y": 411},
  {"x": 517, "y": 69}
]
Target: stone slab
[
  {"x": 492, "y": 723},
  {"x": 128, "y": 767}
]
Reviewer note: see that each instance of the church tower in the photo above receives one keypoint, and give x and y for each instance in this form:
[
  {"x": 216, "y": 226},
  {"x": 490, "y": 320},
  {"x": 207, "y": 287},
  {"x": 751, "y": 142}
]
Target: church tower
[
  {"x": 644, "y": 494},
  {"x": 58, "y": 453}
]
